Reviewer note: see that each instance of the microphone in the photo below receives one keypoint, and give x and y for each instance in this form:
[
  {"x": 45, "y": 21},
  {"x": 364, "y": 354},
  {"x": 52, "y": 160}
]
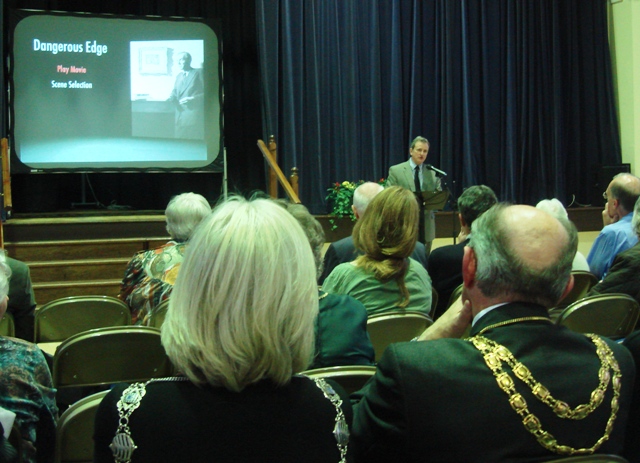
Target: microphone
[{"x": 438, "y": 172}]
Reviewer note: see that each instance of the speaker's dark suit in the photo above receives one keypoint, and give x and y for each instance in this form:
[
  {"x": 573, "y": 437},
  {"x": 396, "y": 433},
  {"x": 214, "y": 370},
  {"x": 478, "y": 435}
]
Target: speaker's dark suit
[
  {"x": 189, "y": 115},
  {"x": 438, "y": 401},
  {"x": 402, "y": 175},
  {"x": 343, "y": 251},
  {"x": 445, "y": 269}
]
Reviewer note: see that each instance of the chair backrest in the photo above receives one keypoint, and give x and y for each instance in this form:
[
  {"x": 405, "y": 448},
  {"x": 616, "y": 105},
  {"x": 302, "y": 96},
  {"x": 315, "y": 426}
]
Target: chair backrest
[
  {"x": 396, "y": 326},
  {"x": 74, "y": 432},
  {"x": 455, "y": 295},
  {"x": 612, "y": 315},
  {"x": 62, "y": 318},
  {"x": 582, "y": 283},
  {"x": 110, "y": 355},
  {"x": 350, "y": 377},
  {"x": 7, "y": 326},
  {"x": 156, "y": 317}
]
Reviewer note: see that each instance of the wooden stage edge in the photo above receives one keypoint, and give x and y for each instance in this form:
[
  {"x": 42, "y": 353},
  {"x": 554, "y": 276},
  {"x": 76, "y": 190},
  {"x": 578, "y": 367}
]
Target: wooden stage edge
[{"x": 101, "y": 224}]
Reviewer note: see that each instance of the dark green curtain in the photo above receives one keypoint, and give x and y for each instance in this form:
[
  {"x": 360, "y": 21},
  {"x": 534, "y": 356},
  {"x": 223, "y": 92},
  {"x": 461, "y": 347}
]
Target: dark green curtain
[
  {"x": 54, "y": 192},
  {"x": 515, "y": 94}
]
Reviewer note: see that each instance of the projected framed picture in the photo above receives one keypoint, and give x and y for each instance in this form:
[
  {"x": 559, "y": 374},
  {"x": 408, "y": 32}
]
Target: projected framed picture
[
  {"x": 154, "y": 61},
  {"x": 104, "y": 93}
]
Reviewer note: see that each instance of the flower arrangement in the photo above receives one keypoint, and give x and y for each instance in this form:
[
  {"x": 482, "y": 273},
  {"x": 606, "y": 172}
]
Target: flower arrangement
[{"x": 340, "y": 199}]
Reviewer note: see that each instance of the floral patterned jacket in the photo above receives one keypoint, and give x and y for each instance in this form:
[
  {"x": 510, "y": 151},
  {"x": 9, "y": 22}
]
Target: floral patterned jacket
[
  {"x": 27, "y": 390},
  {"x": 149, "y": 279}
]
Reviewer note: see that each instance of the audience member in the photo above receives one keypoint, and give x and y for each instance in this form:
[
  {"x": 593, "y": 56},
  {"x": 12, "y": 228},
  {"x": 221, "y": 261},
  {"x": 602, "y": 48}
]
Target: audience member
[
  {"x": 150, "y": 275},
  {"x": 341, "y": 326},
  {"x": 22, "y": 301},
  {"x": 413, "y": 175},
  {"x": 617, "y": 235},
  {"x": 240, "y": 325},
  {"x": 556, "y": 209},
  {"x": 26, "y": 388},
  {"x": 385, "y": 278},
  {"x": 445, "y": 262},
  {"x": 343, "y": 251},
  {"x": 624, "y": 274},
  {"x": 521, "y": 388}
]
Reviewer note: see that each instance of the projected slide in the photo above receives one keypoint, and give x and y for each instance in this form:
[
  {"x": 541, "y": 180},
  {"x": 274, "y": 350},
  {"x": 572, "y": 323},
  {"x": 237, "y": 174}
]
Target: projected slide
[{"x": 111, "y": 93}]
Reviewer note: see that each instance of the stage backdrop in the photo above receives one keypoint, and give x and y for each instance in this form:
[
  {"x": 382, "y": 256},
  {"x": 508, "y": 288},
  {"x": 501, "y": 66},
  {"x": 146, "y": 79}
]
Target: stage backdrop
[{"x": 515, "y": 94}]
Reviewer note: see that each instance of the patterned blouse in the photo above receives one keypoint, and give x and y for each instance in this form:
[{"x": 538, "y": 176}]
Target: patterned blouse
[
  {"x": 27, "y": 390},
  {"x": 149, "y": 279}
]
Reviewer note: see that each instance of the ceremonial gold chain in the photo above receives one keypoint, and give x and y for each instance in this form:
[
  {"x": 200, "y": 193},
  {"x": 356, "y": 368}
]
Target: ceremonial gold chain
[{"x": 494, "y": 354}]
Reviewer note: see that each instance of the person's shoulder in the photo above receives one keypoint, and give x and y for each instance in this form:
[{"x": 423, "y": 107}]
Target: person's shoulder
[
  {"x": 417, "y": 268},
  {"x": 399, "y": 165},
  {"x": 331, "y": 301},
  {"x": 19, "y": 345},
  {"x": 434, "y": 354},
  {"x": 631, "y": 253},
  {"x": 343, "y": 243},
  {"x": 345, "y": 268},
  {"x": 16, "y": 265},
  {"x": 445, "y": 251},
  {"x": 310, "y": 388}
]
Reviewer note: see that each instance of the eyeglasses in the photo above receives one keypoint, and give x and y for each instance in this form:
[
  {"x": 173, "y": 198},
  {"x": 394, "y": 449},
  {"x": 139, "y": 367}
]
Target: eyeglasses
[{"x": 604, "y": 195}]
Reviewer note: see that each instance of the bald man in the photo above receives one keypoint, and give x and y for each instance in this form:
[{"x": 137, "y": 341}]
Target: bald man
[
  {"x": 617, "y": 234},
  {"x": 442, "y": 399}
]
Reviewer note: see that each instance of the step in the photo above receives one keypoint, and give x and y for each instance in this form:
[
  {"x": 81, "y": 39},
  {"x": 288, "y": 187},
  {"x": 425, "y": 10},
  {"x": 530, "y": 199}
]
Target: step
[
  {"x": 47, "y": 292},
  {"x": 41, "y": 251},
  {"x": 77, "y": 270}
]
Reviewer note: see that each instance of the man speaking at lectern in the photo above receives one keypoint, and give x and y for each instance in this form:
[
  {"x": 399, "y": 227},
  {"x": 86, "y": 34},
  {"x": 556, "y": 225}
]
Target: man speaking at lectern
[{"x": 415, "y": 176}]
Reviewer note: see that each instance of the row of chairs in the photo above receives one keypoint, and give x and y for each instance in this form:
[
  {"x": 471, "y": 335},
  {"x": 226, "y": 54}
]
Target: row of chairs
[{"x": 62, "y": 318}]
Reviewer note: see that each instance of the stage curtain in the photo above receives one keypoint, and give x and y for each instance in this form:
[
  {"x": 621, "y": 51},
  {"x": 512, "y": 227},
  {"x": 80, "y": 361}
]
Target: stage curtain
[{"x": 515, "y": 94}]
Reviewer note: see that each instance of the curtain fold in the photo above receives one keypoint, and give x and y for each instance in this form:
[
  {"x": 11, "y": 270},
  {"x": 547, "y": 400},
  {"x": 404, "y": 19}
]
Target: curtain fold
[{"x": 515, "y": 94}]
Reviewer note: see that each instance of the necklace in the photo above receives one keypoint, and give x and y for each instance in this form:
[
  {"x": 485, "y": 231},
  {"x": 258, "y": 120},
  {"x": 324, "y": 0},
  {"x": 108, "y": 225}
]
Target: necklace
[
  {"x": 122, "y": 446},
  {"x": 495, "y": 354},
  {"x": 513, "y": 321}
]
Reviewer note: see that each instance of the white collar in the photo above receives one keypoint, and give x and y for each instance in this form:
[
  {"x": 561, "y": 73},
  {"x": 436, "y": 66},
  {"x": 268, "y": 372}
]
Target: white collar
[{"x": 485, "y": 311}]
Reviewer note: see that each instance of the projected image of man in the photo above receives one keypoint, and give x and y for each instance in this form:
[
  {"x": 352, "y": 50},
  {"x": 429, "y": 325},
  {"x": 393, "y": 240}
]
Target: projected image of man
[{"x": 187, "y": 97}]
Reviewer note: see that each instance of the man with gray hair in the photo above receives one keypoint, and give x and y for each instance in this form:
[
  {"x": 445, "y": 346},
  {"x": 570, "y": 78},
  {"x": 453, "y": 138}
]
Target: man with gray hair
[
  {"x": 617, "y": 235},
  {"x": 508, "y": 392},
  {"x": 343, "y": 251}
]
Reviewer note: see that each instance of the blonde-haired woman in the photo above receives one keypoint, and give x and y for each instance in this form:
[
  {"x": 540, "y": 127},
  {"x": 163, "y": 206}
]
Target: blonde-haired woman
[
  {"x": 240, "y": 325},
  {"x": 385, "y": 278}
]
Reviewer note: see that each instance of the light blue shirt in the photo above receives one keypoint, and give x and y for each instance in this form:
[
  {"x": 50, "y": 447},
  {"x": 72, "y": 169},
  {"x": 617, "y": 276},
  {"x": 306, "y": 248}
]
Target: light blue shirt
[{"x": 612, "y": 240}]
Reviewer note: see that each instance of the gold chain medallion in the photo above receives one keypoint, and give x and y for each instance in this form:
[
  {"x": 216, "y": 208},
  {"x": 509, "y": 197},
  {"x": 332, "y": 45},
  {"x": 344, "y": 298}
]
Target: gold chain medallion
[{"x": 495, "y": 354}]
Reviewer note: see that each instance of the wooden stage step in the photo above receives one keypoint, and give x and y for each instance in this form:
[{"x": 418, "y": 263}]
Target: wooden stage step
[
  {"x": 77, "y": 270},
  {"x": 41, "y": 251}
]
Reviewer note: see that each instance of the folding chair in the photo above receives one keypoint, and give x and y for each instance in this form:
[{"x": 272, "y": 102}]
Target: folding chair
[
  {"x": 62, "y": 318},
  {"x": 396, "y": 326}
]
